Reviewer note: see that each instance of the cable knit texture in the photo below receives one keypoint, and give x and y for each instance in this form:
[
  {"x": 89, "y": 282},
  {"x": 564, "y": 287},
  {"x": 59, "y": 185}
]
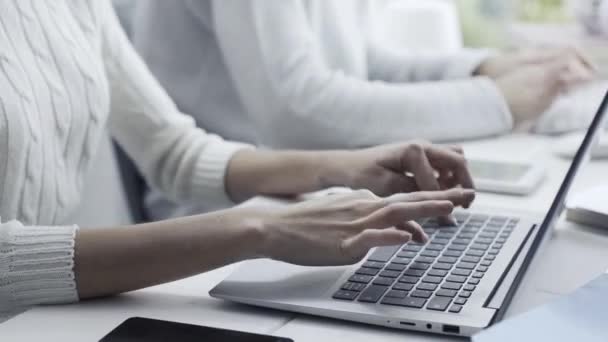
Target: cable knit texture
[{"x": 67, "y": 70}]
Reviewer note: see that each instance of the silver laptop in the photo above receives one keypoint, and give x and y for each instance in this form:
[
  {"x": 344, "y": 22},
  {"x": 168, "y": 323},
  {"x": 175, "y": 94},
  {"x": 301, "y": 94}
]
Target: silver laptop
[{"x": 458, "y": 283}]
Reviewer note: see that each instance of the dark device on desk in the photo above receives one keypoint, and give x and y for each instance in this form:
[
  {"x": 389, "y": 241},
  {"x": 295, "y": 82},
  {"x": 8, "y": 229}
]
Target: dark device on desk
[
  {"x": 458, "y": 283},
  {"x": 137, "y": 329}
]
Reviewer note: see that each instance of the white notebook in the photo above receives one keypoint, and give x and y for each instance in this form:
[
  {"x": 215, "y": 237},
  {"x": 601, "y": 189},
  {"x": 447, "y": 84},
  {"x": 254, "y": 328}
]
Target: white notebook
[{"x": 590, "y": 207}]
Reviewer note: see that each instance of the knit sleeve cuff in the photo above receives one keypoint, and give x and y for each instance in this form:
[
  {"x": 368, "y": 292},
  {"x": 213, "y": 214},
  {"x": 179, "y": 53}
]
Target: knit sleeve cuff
[
  {"x": 36, "y": 265},
  {"x": 467, "y": 62},
  {"x": 208, "y": 180}
]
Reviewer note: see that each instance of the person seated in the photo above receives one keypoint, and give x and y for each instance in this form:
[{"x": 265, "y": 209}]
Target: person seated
[
  {"x": 303, "y": 74},
  {"x": 68, "y": 71}
]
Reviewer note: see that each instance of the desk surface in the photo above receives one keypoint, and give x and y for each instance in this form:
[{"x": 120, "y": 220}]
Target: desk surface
[{"x": 573, "y": 256}]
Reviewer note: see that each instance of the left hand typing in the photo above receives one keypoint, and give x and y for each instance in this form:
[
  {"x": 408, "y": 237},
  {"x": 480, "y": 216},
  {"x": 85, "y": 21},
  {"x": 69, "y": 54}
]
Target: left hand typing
[{"x": 404, "y": 167}]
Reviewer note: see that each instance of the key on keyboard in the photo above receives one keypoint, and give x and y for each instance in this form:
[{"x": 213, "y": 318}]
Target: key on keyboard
[{"x": 440, "y": 275}]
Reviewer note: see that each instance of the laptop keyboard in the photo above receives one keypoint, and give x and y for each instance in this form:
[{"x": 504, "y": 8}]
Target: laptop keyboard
[{"x": 440, "y": 275}]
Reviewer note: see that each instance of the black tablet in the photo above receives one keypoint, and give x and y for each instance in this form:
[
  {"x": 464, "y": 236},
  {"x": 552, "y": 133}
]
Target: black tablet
[{"x": 137, "y": 329}]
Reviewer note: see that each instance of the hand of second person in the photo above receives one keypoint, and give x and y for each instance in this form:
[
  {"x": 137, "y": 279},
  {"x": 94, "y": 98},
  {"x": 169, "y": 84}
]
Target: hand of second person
[
  {"x": 530, "y": 90},
  {"x": 402, "y": 168},
  {"x": 500, "y": 65},
  {"x": 531, "y": 80}
]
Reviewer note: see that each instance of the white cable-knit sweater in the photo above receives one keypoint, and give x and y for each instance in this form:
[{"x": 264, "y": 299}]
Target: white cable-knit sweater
[{"x": 66, "y": 70}]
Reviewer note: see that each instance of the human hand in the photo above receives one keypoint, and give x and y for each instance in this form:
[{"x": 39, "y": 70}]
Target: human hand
[
  {"x": 531, "y": 89},
  {"x": 579, "y": 65},
  {"x": 341, "y": 229},
  {"x": 401, "y": 168}
]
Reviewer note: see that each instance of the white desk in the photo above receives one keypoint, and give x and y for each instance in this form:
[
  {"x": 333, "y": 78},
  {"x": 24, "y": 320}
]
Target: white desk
[{"x": 573, "y": 256}]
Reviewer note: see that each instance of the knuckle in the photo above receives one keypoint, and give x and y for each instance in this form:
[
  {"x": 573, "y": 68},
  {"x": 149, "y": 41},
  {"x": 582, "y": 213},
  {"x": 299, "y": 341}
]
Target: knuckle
[
  {"x": 460, "y": 160},
  {"x": 394, "y": 212},
  {"x": 458, "y": 149},
  {"x": 416, "y": 147},
  {"x": 417, "y": 196},
  {"x": 414, "y": 151},
  {"x": 363, "y": 207},
  {"x": 352, "y": 226},
  {"x": 364, "y": 193}
]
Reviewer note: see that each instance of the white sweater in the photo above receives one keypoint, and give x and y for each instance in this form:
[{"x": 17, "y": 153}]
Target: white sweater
[
  {"x": 302, "y": 74},
  {"x": 66, "y": 70}
]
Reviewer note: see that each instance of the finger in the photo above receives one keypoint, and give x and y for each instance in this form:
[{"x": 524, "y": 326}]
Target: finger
[
  {"x": 356, "y": 247},
  {"x": 572, "y": 79},
  {"x": 397, "y": 213},
  {"x": 457, "y": 196},
  {"x": 447, "y": 180},
  {"x": 415, "y": 230},
  {"x": 456, "y": 148},
  {"x": 554, "y": 76},
  {"x": 444, "y": 158},
  {"x": 400, "y": 183},
  {"x": 419, "y": 165},
  {"x": 577, "y": 73},
  {"x": 363, "y": 194},
  {"x": 585, "y": 59}
]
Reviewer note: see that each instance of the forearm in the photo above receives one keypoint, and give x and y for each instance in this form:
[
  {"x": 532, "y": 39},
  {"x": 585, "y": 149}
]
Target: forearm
[
  {"x": 368, "y": 114},
  {"x": 120, "y": 259},
  {"x": 287, "y": 173},
  {"x": 391, "y": 65}
]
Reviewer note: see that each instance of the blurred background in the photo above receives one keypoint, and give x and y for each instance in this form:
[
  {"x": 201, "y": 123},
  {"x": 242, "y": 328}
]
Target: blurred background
[
  {"x": 452, "y": 24},
  {"x": 446, "y": 25}
]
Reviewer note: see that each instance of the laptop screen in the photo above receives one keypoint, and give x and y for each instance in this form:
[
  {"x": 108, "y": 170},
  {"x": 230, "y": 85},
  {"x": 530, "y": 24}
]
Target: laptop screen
[{"x": 582, "y": 156}]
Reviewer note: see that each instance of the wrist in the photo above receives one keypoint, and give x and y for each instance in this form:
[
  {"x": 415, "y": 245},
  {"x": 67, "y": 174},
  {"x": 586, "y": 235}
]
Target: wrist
[
  {"x": 240, "y": 179},
  {"x": 262, "y": 233},
  {"x": 334, "y": 170},
  {"x": 257, "y": 234},
  {"x": 250, "y": 228}
]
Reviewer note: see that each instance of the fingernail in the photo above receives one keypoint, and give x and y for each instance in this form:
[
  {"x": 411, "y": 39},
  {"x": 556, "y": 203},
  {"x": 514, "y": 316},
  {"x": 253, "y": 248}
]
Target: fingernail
[
  {"x": 425, "y": 238},
  {"x": 452, "y": 220}
]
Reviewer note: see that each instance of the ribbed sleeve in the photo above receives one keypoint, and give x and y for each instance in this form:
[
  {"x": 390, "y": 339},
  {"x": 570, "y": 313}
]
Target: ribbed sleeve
[
  {"x": 183, "y": 161},
  {"x": 210, "y": 170},
  {"x": 36, "y": 265}
]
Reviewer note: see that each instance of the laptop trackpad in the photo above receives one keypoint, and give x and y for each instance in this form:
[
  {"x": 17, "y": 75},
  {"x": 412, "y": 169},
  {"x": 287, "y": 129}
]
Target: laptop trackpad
[{"x": 273, "y": 280}]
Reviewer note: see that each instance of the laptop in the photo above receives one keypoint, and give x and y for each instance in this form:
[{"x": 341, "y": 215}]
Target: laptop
[{"x": 458, "y": 283}]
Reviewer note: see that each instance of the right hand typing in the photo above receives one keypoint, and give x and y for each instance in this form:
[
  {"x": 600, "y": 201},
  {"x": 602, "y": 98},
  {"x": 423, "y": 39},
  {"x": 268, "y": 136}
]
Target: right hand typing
[{"x": 341, "y": 229}]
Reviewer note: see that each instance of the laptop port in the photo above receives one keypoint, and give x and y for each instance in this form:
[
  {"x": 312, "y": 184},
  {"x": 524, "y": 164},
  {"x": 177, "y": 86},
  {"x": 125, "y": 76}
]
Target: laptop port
[
  {"x": 408, "y": 323},
  {"x": 451, "y": 329}
]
